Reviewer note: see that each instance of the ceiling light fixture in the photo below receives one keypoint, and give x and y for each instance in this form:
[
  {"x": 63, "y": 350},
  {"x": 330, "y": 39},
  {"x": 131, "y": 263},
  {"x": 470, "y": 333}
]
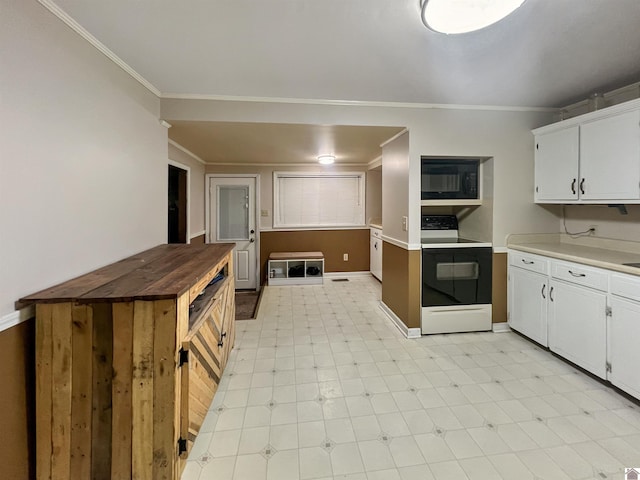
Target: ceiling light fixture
[
  {"x": 462, "y": 16},
  {"x": 326, "y": 159}
]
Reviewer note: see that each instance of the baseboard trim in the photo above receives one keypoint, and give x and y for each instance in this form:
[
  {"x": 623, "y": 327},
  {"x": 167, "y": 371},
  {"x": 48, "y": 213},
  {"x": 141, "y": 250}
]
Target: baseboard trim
[
  {"x": 17, "y": 317},
  {"x": 500, "y": 327},
  {"x": 345, "y": 274},
  {"x": 406, "y": 331}
]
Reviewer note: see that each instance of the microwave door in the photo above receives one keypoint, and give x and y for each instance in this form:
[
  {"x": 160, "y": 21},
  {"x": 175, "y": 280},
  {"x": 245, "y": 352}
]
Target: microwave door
[{"x": 469, "y": 185}]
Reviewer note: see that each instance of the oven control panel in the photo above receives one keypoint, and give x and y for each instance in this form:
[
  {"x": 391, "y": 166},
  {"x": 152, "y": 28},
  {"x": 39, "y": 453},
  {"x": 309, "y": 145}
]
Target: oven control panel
[{"x": 439, "y": 222}]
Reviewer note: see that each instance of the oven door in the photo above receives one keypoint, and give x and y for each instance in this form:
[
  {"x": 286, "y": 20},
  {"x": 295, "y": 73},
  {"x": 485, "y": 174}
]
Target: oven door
[{"x": 456, "y": 276}]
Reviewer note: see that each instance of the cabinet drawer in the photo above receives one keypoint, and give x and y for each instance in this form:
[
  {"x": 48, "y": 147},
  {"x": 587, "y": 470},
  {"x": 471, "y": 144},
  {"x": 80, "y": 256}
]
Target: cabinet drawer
[
  {"x": 580, "y": 275},
  {"x": 528, "y": 261},
  {"x": 626, "y": 286}
]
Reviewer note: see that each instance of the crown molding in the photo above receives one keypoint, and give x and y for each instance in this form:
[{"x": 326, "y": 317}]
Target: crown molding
[
  {"x": 397, "y": 135},
  {"x": 376, "y": 162},
  {"x": 354, "y": 103},
  {"x": 80, "y": 30},
  {"x": 310, "y": 164},
  {"x": 188, "y": 152}
]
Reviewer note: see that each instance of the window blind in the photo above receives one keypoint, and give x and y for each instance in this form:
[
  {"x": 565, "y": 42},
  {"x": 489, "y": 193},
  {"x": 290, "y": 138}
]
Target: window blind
[{"x": 312, "y": 200}]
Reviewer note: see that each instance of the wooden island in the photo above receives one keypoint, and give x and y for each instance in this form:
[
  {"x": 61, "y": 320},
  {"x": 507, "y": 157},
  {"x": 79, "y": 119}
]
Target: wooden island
[{"x": 128, "y": 359}]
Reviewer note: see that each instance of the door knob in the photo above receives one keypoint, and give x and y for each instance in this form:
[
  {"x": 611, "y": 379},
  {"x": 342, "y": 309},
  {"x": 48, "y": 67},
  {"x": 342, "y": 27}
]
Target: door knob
[{"x": 252, "y": 231}]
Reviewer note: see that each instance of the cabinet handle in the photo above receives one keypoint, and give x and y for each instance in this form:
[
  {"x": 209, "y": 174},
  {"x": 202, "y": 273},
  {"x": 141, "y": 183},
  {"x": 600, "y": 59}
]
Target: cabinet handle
[
  {"x": 582, "y": 186},
  {"x": 573, "y": 186},
  {"x": 224, "y": 334},
  {"x": 551, "y": 294},
  {"x": 220, "y": 344},
  {"x": 577, "y": 274},
  {"x": 528, "y": 262},
  {"x": 543, "y": 287}
]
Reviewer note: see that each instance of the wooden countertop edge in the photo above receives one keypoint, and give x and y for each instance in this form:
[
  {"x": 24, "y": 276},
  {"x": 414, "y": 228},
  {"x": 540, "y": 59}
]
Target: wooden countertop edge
[{"x": 85, "y": 296}]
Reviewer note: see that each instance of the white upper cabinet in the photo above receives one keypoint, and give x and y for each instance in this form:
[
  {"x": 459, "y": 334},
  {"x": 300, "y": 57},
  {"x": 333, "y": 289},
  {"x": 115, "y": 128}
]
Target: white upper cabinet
[
  {"x": 592, "y": 158},
  {"x": 610, "y": 158},
  {"x": 556, "y": 164}
]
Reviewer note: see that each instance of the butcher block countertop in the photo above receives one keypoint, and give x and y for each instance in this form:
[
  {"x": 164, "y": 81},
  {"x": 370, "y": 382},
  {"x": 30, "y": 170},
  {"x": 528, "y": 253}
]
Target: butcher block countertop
[
  {"x": 597, "y": 252},
  {"x": 162, "y": 272}
]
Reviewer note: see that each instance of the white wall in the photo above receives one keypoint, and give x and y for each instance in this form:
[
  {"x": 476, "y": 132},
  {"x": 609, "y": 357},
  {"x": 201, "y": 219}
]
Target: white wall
[
  {"x": 374, "y": 195},
  {"x": 395, "y": 181},
  {"x": 196, "y": 191},
  {"x": 83, "y": 158},
  {"x": 503, "y": 135},
  {"x": 266, "y": 181},
  {"x": 608, "y": 221}
]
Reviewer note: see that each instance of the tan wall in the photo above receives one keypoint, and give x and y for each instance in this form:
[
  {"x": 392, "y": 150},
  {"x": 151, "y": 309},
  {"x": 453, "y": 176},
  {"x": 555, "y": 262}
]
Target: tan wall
[
  {"x": 401, "y": 284},
  {"x": 199, "y": 240},
  {"x": 333, "y": 243},
  {"x": 499, "y": 288},
  {"x": 17, "y": 402}
]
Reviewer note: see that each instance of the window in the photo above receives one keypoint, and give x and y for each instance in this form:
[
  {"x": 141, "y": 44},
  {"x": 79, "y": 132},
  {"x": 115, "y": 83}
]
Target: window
[{"x": 318, "y": 199}]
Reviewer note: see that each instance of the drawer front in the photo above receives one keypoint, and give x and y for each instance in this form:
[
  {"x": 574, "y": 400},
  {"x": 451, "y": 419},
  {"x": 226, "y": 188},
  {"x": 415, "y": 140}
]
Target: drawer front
[
  {"x": 376, "y": 232},
  {"x": 528, "y": 261},
  {"x": 627, "y": 286},
  {"x": 581, "y": 275}
]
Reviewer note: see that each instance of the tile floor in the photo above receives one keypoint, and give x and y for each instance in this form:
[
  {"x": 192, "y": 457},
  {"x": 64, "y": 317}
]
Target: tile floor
[{"x": 323, "y": 386}]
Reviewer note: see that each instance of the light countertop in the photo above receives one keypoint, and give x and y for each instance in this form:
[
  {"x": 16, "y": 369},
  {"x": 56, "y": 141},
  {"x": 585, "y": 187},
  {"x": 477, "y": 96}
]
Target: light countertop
[
  {"x": 597, "y": 252},
  {"x": 375, "y": 225}
]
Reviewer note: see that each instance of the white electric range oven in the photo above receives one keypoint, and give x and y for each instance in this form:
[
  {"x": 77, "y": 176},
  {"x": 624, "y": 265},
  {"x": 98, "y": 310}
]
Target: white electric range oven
[{"x": 456, "y": 278}]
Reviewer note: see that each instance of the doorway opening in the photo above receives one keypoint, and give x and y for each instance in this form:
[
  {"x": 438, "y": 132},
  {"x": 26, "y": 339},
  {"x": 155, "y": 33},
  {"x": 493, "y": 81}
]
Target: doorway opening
[{"x": 177, "y": 205}]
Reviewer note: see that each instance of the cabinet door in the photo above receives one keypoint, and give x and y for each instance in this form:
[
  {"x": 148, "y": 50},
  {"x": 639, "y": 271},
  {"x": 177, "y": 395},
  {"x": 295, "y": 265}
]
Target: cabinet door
[
  {"x": 610, "y": 158},
  {"x": 577, "y": 325},
  {"x": 624, "y": 346},
  {"x": 556, "y": 165},
  {"x": 528, "y": 293}
]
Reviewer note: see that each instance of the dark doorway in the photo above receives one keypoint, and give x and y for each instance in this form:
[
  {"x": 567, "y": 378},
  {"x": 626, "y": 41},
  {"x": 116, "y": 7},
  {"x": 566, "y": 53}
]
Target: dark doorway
[{"x": 177, "y": 227}]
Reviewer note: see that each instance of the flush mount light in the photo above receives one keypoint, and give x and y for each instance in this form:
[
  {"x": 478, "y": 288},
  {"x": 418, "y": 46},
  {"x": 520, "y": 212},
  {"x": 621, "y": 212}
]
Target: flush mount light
[
  {"x": 461, "y": 16},
  {"x": 326, "y": 159}
]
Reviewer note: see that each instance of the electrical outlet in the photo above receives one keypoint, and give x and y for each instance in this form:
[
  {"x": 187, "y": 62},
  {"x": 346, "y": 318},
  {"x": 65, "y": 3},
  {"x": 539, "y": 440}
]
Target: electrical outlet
[
  {"x": 404, "y": 224},
  {"x": 345, "y": 257}
]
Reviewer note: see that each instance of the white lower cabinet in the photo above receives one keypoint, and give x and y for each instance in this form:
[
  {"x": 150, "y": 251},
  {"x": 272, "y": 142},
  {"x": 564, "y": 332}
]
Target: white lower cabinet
[
  {"x": 528, "y": 303},
  {"x": 623, "y": 334},
  {"x": 577, "y": 325},
  {"x": 624, "y": 345},
  {"x": 588, "y": 315}
]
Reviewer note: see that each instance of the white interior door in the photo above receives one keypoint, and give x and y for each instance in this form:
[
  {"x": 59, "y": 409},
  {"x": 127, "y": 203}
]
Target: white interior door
[{"x": 232, "y": 219}]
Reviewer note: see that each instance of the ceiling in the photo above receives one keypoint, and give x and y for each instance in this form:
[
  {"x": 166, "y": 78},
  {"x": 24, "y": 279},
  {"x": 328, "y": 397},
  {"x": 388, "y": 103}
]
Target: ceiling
[
  {"x": 549, "y": 53},
  {"x": 279, "y": 144}
]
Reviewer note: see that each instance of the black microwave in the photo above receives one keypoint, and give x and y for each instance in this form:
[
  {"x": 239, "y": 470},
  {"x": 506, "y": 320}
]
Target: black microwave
[{"x": 450, "y": 178}]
